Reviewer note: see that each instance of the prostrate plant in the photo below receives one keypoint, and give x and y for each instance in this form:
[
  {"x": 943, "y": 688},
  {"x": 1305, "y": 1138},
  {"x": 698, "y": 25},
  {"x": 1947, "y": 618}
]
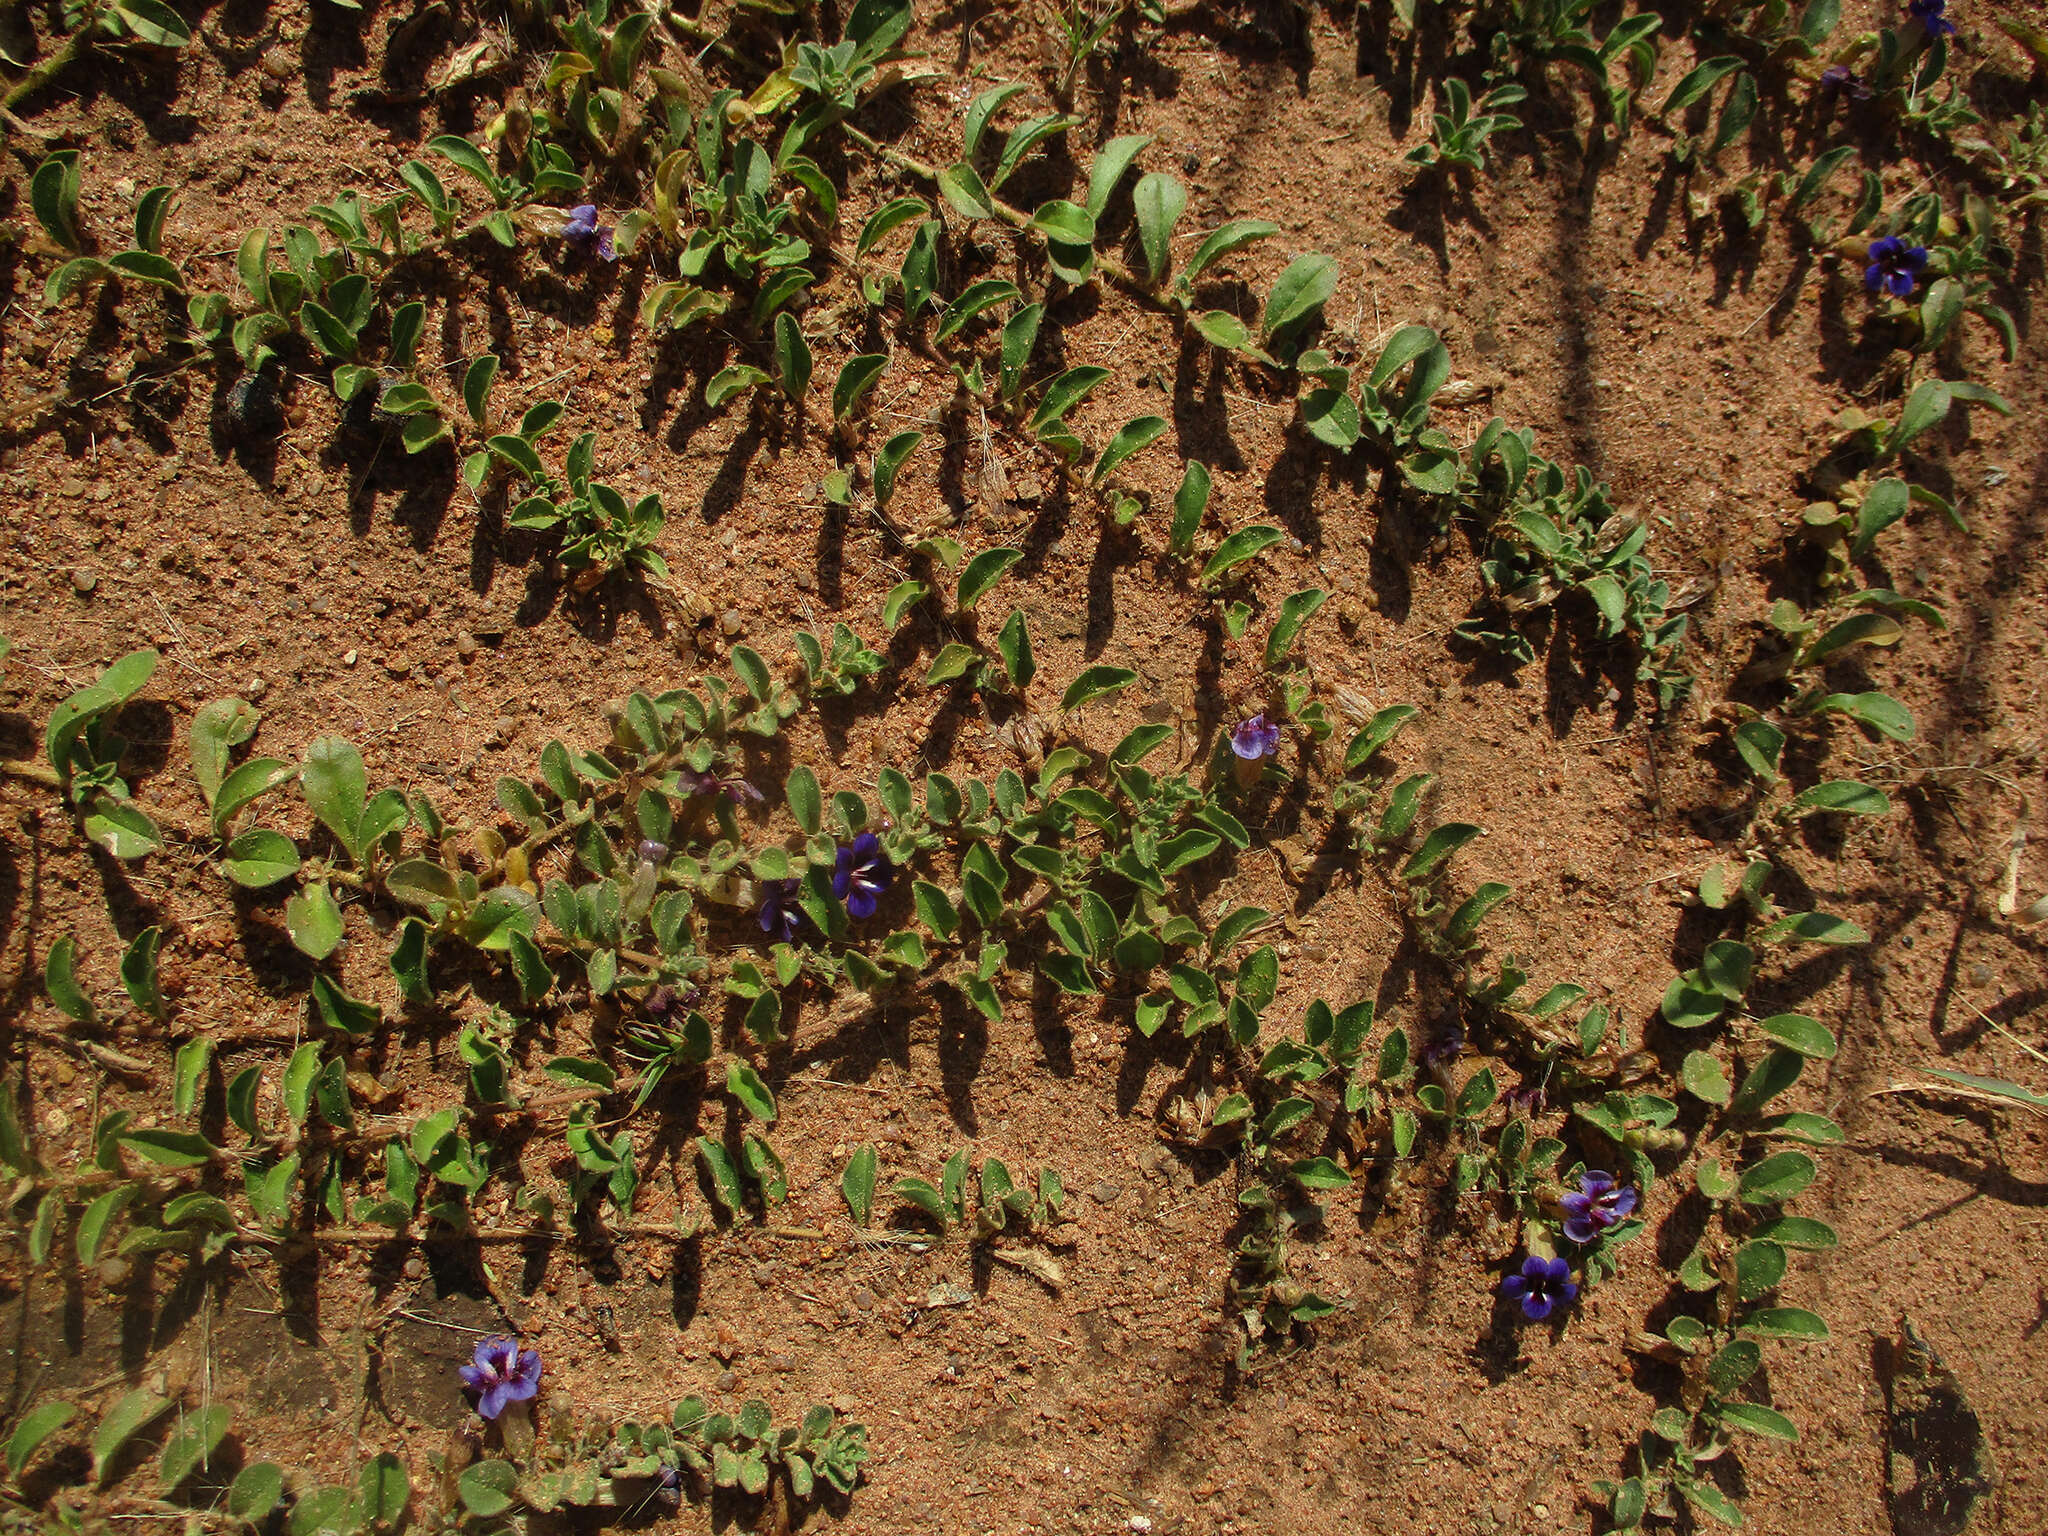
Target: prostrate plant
[
  {"x": 1458, "y": 139},
  {"x": 53, "y": 194},
  {"x": 1554, "y": 533}
]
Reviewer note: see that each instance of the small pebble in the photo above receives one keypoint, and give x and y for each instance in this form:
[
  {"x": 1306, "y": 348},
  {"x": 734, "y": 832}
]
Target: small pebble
[
  {"x": 731, "y": 622},
  {"x": 83, "y": 580}
]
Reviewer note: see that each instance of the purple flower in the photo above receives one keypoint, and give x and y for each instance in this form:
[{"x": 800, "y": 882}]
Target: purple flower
[
  {"x": 652, "y": 852},
  {"x": 738, "y": 791},
  {"x": 1895, "y": 267},
  {"x": 1541, "y": 1287},
  {"x": 1841, "y": 79},
  {"x": 1448, "y": 1044},
  {"x": 1930, "y": 14},
  {"x": 860, "y": 875},
  {"x": 668, "y": 1486},
  {"x": 584, "y": 232},
  {"x": 1255, "y": 739},
  {"x": 502, "y": 1374},
  {"x": 1597, "y": 1204},
  {"x": 780, "y": 915}
]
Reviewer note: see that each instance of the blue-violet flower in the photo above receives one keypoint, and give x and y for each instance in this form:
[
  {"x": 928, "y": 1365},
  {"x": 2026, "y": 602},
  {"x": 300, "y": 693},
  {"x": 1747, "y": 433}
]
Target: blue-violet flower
[
  {"x": 1255, "y": 739},
  {"x": 1840, "y": 78},
  {"x": 780, "y": 914},
  {"x": 1931, "y": 14},
  {"x": 1895, "y": 267},
  {"x": 1598, "y": 1203},
  {"x": 591, "y": 237},
  {"x": 1541, "y": 1287},
  {"x": 502, "y": 1373},
  {"x": 860, "y": 874}
]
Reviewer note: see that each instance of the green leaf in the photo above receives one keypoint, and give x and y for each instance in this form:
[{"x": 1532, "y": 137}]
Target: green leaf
[
  {"x": 1013, "y": 644},
  {"x": 1137, "y": 433},
  {"x": 1759, "y": 744},
  {"x": 1295, "y": 611},
  {"x": 1776, "y": 1179},
  {"x": 1770, "y": 1077},
  {"x": 337, "y": 1010},
  {"x": 1784, "y": 1323},
  {"x": 1189, "y": 503},
  {"x": 981, "y": 573},
  {"x": 313, "y": 921},
  {"x": 1879, "y": 711},
  {"x": 806, "y": 803},
  {"x": 153, "y": 22},
  {"x": 1159, "y": 201},
  {"x": 34, "y": 1427},
  {"x": 1797, "y": 1032},
  {"x": 61, "y": 984},
  {"x": 139, "y": 972},
  {"x": 1020, "y": 334},
  {"x": 113, "y": 688},
  {"x": 259, "y": 858},
  {"x": 1222, "y": 329},
  {"x": 92, "y": 1222},
  {"x": 217, "y": 729},
  {"x": 53, "y": 194},
  {"x": 581, "y": 1072},
  {"x": 953, "y": 662},
  {"x": 192, "y": 1446},
  {"x": 1839, "y": 795},
  {"x": 1318, "y": 1173},
  {"x": 254, "y": 778},
  {"x": 1063, "y": 394},
  {"x": 123, "y": 1422},
  {"x": 383, "y": 1490},
  {"x": 1436, "y": 848},
  {"x": 979, "y": 111},
  {"x": 1704, "y": 1078},
  {"x": 255, "y": 1491},
  {"x": 855, "y": 380},
  {"x": 1108, "y": 167},
  {"x": 335, "y": 787},
  {"x": 1376, "y": 734},
  {"x": 487, "y": 1488},
  {"x": 725, "y": 1174},
  {"x": 735, "y": 379},
  {"x": 1299, "y": 292},
  {"x": 1229, "y": 237},
  {"x": 1096, "y": 682},
  {"x": 792, "y": 356},
  {"x": 1698, "y": 82},
  {"x": 1925, "y": 408},
  {"x": 892, "y": 215},
  {"x": 1238, "y": 548},
  {"x": 889, "y": 461},
  {"x": 1025, "y": 139},
  {"x": 965, "y": 193},
  {"x": 1997, "y": 1088},
  {"x": 857, "y": 1183},
  {"x": 1061, "y": 220},
  {"x": 754, "y": 1095},
  {"x": 1799, "y": 1232},
  {"x": 1759, "y": 1420}
]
